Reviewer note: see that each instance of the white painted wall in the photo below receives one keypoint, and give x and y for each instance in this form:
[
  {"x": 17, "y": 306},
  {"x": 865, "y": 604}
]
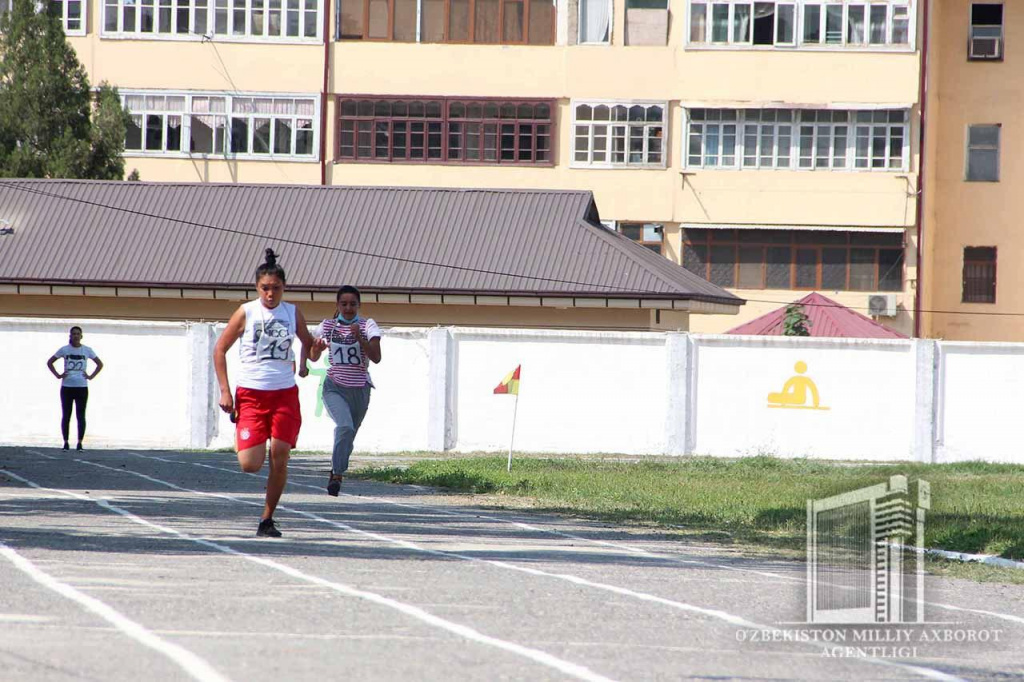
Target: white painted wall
[
  {"x": 140, "y": 399},
  {"x": 634, "y": 393},
  {"x": 980, "y": 396}
]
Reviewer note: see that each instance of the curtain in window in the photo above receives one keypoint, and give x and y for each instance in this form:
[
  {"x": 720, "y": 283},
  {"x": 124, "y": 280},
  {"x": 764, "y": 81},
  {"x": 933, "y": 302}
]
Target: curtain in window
[
  {"x": 741, "y": 24},
  {"x": 698, "y": 23},
  {"x": 595, "y": 21},
  {"x": 719, "y": 23},
  {"x": 855, "y": 26},
  {"x": 878, "y": 23}
]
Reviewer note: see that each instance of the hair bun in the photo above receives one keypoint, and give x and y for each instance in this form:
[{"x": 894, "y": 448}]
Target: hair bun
[{"x": 271, "y": 257}]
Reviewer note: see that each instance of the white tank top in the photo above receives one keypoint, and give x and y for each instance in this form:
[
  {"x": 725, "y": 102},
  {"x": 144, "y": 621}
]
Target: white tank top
[{"x": 266, "y": 347}]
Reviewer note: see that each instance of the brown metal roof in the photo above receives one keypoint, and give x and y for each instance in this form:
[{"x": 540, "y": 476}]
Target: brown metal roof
[{"x": 382, "y": 239}]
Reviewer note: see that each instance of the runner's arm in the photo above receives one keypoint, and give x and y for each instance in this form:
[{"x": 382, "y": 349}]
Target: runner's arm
[
  {"x": 231, "y": 333},
  {"x": 312, "y": 346},
  {"x": 49, "y": 365},
  {"x": 99, "y": 366}
]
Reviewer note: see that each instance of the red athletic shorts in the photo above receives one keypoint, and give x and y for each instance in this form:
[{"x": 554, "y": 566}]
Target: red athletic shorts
[{"x": 267, "y": 414}]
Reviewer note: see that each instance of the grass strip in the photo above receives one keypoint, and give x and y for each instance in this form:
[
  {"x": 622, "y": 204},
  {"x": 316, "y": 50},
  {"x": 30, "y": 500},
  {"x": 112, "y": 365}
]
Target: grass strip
[{"x": 976, "y": 507}]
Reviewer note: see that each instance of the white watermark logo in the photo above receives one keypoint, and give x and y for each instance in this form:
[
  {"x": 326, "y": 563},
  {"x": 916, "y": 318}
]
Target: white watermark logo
[{"x": 864, "y": 558}]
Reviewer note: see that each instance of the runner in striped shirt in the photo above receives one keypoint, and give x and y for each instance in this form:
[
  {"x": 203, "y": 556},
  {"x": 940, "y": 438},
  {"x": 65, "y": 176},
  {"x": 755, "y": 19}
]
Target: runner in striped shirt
[{"x": 352, "y": 341}]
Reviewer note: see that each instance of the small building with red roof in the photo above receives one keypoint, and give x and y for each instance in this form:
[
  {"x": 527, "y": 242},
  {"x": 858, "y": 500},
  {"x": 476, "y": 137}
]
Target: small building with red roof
[{"x": 826, "y": 318}]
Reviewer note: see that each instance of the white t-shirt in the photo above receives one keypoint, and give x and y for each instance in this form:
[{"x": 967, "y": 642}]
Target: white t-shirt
[
  {"x": 75, "y": 365},
  {"x": 266, "y": 347}
]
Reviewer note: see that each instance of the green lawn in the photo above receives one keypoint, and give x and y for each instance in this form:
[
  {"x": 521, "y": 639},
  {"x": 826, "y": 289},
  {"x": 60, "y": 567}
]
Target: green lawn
[{"x": 976, "y": 507}]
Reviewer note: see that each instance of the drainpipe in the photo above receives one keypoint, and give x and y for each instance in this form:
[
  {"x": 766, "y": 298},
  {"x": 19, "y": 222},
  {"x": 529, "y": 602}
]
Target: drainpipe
[
  {"x": 323, "y": 93},
  {"x": 919, "y": 212}
]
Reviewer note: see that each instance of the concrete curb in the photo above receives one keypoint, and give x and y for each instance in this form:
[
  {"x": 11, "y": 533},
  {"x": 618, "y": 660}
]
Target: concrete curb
[{"x": 979, "y": 558}]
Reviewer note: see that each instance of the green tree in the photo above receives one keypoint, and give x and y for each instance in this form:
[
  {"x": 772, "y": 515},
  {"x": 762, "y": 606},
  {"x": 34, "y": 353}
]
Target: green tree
[
  {"x": 796, "y": 322},
  {"x": 50, "y": 126}
]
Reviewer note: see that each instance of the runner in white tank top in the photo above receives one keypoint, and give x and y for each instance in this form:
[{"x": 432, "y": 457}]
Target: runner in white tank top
[{"x": 266, "y": 402}]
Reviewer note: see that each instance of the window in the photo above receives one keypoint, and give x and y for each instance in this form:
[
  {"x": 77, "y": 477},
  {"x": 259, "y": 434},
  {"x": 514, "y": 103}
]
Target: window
[
  {"x": 648, "y": 235},
  {"x": 983, "y": 153},
  {"x": 261, "y": 126},
  {"x": 807, "y": 139},
  {"x": 70, "y": 12},
  {"x": 986, "y": 39},
  {"x": 804, "y": 22},
  {"x": 445, "y": 131},
  {"x": 284, "y": 20},
  {"x": 504, "y": 22},
  {"x": 595, "y": 21},
  {"x": 979, "y": 274},
  {"x": 609, "y": 135},
  {"x": 796, "y": 259}
]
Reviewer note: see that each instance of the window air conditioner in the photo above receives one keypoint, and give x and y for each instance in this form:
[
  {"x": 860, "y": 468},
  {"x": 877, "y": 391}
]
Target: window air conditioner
[
  {"x": 986, "y": 47},
  {"x": 882, "y": 305}
]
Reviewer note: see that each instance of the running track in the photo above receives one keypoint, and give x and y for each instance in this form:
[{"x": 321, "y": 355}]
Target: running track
[{"x": 122, "y": 565}]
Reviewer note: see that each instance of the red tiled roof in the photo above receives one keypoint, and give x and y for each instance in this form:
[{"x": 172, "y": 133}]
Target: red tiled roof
[{"x": 827, "y": 318}]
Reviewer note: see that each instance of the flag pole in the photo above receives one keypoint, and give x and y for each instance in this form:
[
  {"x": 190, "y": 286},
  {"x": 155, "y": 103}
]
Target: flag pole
[{"x": 515, "y": 409}]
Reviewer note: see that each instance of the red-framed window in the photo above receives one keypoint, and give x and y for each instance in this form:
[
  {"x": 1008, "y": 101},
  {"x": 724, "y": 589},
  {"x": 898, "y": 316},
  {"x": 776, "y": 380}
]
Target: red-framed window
[
  {"x": 495, "y": 22},
  {"x": 979, "y": 274},
  {"x": 445, "y": 130},
  {"x": 796, "y": 259}
]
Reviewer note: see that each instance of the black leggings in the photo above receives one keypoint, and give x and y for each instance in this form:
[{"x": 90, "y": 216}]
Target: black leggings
[{"x": 78, "y": 396}]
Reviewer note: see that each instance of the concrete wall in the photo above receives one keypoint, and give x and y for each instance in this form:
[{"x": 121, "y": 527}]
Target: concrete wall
[{"x": 625, "y": 392}]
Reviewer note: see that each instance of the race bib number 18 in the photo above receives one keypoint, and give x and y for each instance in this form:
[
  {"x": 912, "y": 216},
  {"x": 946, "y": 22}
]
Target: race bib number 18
[{"x": 346, "y": 354}]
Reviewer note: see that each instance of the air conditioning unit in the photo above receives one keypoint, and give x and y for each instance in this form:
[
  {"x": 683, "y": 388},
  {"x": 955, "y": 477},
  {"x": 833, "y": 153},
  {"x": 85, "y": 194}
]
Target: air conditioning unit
[
  {"x": 986, "y": 47},
  {"x": 882, "y": 305}
]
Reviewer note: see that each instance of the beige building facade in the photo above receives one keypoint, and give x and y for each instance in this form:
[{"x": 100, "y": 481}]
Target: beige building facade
[
  {"x": 972, "y": 202},
  {"x": 771, "y": 147}
]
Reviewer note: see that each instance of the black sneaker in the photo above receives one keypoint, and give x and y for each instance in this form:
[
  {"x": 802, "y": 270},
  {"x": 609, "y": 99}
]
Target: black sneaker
[
  {"x": 65, "y": 445},
  {"x": 79, "y": 447},
  {"x": 334, "y": 486},
  {"x": 267, "y": 529}
]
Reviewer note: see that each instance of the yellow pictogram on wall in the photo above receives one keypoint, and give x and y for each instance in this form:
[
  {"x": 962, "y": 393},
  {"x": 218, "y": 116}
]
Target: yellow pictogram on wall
[{"x": 797, "y": 390}]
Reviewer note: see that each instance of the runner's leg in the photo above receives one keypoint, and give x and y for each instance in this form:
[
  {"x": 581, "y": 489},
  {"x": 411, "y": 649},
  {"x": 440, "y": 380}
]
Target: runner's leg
[{"x": 280, "y": 452}]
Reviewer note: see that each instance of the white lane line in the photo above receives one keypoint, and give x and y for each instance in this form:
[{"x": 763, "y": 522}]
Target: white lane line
[
  {"x": 713, "y": 613},
  {"x": 192, "y": 664},
  {"x": 573, "y": 669},
  {"x": 579, "y": 538},
  {"x": 606, "y": 543}
]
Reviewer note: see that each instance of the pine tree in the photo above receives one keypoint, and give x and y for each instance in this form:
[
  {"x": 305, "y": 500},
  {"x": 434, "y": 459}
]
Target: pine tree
[{"x": 49, "y": 125}]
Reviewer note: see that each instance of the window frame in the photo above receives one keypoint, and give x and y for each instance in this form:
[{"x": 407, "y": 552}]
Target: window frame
[
  {"x": 797, "y": 242},
  {"x": 800, "y": 19},
  {"x": 971, "y": 26},
  {"x": 446, "y": 121},
  {"x": 446, "y": 39},
  {"x": 997, "y": 148},
  {"x": 797, "y": 124},
  {"x": 647, "y": 244},
  {"x": 982, "y": 263},
  {"x": 83, "y": 17},
  {"x": 211, "y": 9},
  {"x": 664, "y": 124},
  {"x": 229, "y": 114}
]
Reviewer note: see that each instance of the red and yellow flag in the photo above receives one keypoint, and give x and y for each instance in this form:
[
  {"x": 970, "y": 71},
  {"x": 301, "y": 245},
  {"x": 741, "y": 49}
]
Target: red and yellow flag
[{"x": 510, "y": 384}]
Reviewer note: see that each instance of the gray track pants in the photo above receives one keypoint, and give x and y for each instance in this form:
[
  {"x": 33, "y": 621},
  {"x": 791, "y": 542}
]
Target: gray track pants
[{"x": 347, "y": 407}]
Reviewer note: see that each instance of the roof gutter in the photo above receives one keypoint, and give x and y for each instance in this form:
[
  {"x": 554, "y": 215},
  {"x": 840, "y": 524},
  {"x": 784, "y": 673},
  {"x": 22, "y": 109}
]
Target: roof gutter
[
  {"x": 919, "y": 212},
  {"x": 323, "y": 94}
]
